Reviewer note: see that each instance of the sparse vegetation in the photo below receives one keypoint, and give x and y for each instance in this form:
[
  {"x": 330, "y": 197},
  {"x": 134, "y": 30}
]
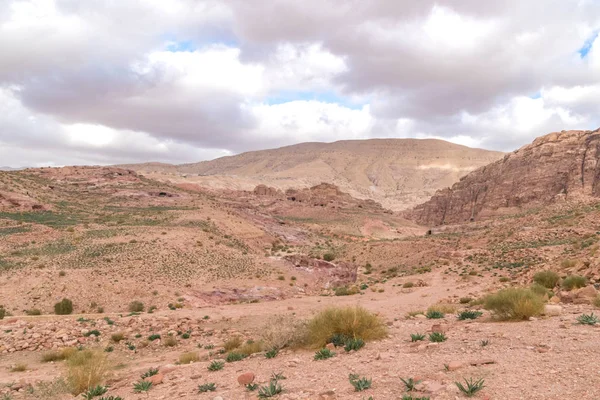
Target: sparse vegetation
[
  {"x": 188, "y": 358},
  {"x": 170, "y": 341},
  {"x": 410, "y": 384},
  {"x": 329, "y": 257},
  {"x": 64, "y": 307},
  {"x": 233, "y": 343},
  {"x": 548, "y": 279},
  {"x": 352, "y": 322},
  {"x": 270, "y": 390},
  {"x": 95, "y": 391},
  {"x": 354, "y": 344},
  {"x": 136, "y": 306},
  {"x": 142, "y": 386},
  {"x": 433, "y": 314},
  {"x": 216, "y": 365},
  {"x": 207, "y": 387},
  {"x": 58, "y": 355},
  {"x": 470, "y": 388},
  {"x": 234, "y": 356},
  {"x": 86, "y": 369},
  {"x": 117, "y": 337},
  {"x": 514, "y": 304},
  {"x": 323, "y": 354},
  {"x": 469, "y": 314},
  {"x": 588, "y": 319},
  {"x": 149, "y": 373},
  {"x": 437, "y": 337},
  {"x": 272, "y": 353},
  {"x": 574, "y": 282},
  {"x": 19, "y": 368},
  {"x": 416, "y": 337},
  {"x": 359, "y": 384}
]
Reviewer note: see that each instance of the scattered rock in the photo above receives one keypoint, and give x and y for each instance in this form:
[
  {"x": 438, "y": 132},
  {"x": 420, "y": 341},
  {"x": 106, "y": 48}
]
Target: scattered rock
[{"x": 246, "y": 379}]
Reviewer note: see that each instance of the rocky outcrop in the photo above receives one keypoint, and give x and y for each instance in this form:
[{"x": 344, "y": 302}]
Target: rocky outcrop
[
  {"x": 560, "y": 165},
  {"x": 327, "y": 273},
  {"x": 264, "y": 190}
]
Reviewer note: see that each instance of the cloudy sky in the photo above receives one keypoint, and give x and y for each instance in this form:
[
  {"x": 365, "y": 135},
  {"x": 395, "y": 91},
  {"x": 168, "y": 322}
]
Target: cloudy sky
[{"x": 114, "y": 81}]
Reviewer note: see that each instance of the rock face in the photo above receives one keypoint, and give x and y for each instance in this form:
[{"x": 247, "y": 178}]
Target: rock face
[
  {"x": 327, "y": 273},
  {"x": 557, "y": 166}
]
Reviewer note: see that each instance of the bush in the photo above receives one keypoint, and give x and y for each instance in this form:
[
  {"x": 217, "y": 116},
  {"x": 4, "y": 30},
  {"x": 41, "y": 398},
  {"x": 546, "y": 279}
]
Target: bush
[
  {"x": 345, "y": 291},
  {"x": 2, "y": 312},
  {"x": 408, "y": 285},
  {"x": 34, "y": 311},
  {"x": 170, "y": 341},
  {"x": 235, "y": 356},
  {"x": 58, "y": 355},
  {"x": 251, "y": 347},
  {"x": 86, "y": 369},
  {"x": 207, "y": 387},
  {"x": 283, "y": 331},
  {"x": 233, "y": 343},
  {"x": 540, "y": 290},
  {"x": 514, "y": 304},
  {"x": 574, "y": 282},
  {"x": 469, "y": 314},
  {"x": 323, "y": 354},
  {"x": 136, "y": 306},
  {"x": 354, "y": 344},
  {"x": 547, "y": 279},
  {"x": 64, "y": 307},
  {"x": 188, "y": 358},
  {"x": 596, "y": 302},
  {"x": 328, "y": 257},
  {"x": 352, "y": 322},
  {"x": 271, "y": 390},
  {"x": 433, "y": 314},
  {"x": 117, "y": 337},
  {"x": 416, "y": 337},
  {"x": 465, "y": 300}
]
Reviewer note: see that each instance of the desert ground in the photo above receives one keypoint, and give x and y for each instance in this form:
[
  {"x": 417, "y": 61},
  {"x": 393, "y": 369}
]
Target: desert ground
[{"x": 145, "y": 286}]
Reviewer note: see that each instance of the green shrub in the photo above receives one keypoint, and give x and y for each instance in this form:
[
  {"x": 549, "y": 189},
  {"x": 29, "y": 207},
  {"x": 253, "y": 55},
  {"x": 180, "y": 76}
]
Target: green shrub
[
  {"x": 136, "y": 306},
  {"x": 437, "y": 337},
  {"x": 416, "y": 337},
  {"x": 540, "y": 290},
  {"x": 359, "y": 384},
  {"x": 153, "y": 337},
  {"x": 271, "y": 390},
  {"x": 188, "y": 358},
  {"x": 93, "y": 332},
  {"x": 142, "y": 386},
  {"x": 323, "y": 354},
  {"x": 149, "y": 373},
  {"x": 235, "y": 356},
  {"x": 2, "y": 312},
  {"x": 548, "y": 279},
  {"x": 207, "y": 387},
  {"x": 574, "y": 282},
  {"x": 216, "y": 365},
  {"x": 117, "y": 337},
  {"x": 470, "y": 388},
  {"x": 272, "y": 353},
  {"x": 354, "y": 344},
  {"x": 469, "y": 314},
  {"x": 410, "y": 384},
  {"x": 352, "y": 322},
  {"x": 95, "y": 391},
  {"x": 588, "y": 319},
  {"x": 432, "y": 314},
  {"x": 34, "y": 311},
  {"x": 328, "y": 257},
  {"x": 408, "y": 285},
  {"x": 64, "y": 307},
  {"x": 514, "y": 304}
]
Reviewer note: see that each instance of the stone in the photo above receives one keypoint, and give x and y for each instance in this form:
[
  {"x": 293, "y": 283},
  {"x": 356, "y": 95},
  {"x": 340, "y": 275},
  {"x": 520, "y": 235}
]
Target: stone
[
  {"x": 155, "y": 379},
  {"x": 454, "y": 365},
  {"x": 483, "y": 361},
  {"x": 330, "y": 346},
  {"x": 246, "y": 378},
  {"x": 552, "y": 310}
]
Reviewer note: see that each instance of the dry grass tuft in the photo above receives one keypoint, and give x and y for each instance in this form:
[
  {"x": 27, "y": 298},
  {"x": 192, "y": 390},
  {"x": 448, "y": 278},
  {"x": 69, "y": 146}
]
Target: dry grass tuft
[
  {"x": 117, "y": 337},
  {"x": 514, "y": 304},
  {"x": 86, "y": 369},
  {"x": 188, "y": 358},
  {"x": 19, "y": 368},
  {"x": 233, "y": 343},
  {"x": 352, "y": 322},
  {"x": 251, "y": 347},
  {"x": 59, "y": 355},
  {"x": 170, "y": 341},
  {"x": 443, "y": 308},
  {"x": 283, "y": 331}
]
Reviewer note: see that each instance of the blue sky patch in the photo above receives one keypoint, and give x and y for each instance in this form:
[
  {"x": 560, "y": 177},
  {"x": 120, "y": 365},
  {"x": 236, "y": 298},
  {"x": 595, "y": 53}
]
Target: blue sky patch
[
  {"x": 324, "y": 97},
  {"x": 587, "y": 46}
]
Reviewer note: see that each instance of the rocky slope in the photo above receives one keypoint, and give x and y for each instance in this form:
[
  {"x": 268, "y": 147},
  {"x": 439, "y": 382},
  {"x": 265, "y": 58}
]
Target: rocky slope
[
  {"x": 559, "y": 166},
  {"x": 398, "y": 173}
]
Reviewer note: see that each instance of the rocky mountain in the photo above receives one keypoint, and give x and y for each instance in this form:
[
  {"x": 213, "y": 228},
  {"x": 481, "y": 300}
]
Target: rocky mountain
[
  {"x": 560, "y": 165},
  {"x": 398, "y": 173}
]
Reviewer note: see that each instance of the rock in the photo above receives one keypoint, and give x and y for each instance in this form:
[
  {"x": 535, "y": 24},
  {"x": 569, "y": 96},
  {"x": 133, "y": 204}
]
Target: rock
[
  {"x": 585, "y": 295},
  {"x": 330, "y": 346},
  {"x": 246, "y": 378},
  {"x": 420, "y": 316},
  {"x": 552, "y": 310},
  {"x": 155, "y": 379},
  {"x": 217, "y": 398},
  {"x": 165, "y": 369},
  {"x": 454, "y": 365},
  {"x": 555, "y": 300},
  {"x": 439, "y": 328},
  {"x": 483, "y": 361}
]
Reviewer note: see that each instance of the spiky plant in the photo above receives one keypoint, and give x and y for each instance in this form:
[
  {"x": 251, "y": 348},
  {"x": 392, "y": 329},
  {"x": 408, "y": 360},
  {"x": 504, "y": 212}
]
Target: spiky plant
[
  {"x": 270, "y": 390},
  {"x": 207, "y": 387},
  {"x": 434, "y": 314},
  {"x": 234, "y": 356},
  {"x": 354, "y": 344},
  {"x": 410, "y": 384},
  {"x": 469, "y": 314},
  {"x": 324, "y": 354},
  {"x": 251, "y": 387},
  {"x": 359, "y": 384},
  {"x": 437, "y": 337},
  {"x": 149, "y": 373},
  {"x": 588, "y": 319},
  {"x": 415, "y": 337},
  {"x": 94, "y": 392},
  {"x": 216, "y": 366},
  {"x": 142, "y": 386},
  {"x": 470, "y": 388},
  {"x": 278, "y": 376},
  {"x": 272, "y": 353}
]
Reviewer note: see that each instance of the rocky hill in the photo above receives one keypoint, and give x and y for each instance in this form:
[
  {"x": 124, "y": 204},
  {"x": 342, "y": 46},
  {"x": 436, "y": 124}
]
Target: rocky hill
[
  {"x": 559, "y": 166},
  {"x": 398, "y": 173}
]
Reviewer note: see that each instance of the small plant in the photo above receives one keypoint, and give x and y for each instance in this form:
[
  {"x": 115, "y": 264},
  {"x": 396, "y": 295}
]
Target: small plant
[
  {"x": 338, "y": 340},
  {"x": 34, "y": 311},
  {"x": 142, "y": 386},
  {"x": 469, "y": 314},
  {"x": 465, "y": 300},
  {"x": 94, "y": 392},
  {"x": 484, "y": 343},
  {"x": 437, "y": 337},
  {"x": 109, "y": 349},
  {"x": 407, "y": 285},
  {"x": 207, "y": 387},
  {"x": 271, "y": 390},
  {"x": 278, "y": 376},
  {"x": 409, "y": 397},
  {"x": 209, "y": 346},
  {"x": 136, "y": 306},
  {"x": 324, "y": 354},
  {"x": 111, "y": 398},
  {"x": 252, "y": 387},
  {"x": 433, "y": 314},
  {"x": 188, "y": 358},
  {"x": 93, "y": 332},
  {"x": 153, "y": 337},
  {"x": 416, "y": 337},
  {"x": 117, "y": 337},
  {"x": 354, "y": 344},
  {"x": 470, "y": 388},
  {"x": 149, "y": 373},
  {"x": 359, "y": 384},
  {"x": 410, "y": 384},
  {"x": 235, "y": 356},
  {"x": 588, "y": 319},
  {"x": 170, "y": 341},
  {"x": 19, "y": 368},
  {"x": 233, "y": 343},
  {"x": 272, "y": 353},
  {"x": 328, "y": 257},
  {"x": 216, "y": 366},
  {"x": 574, "y": 282},
  {"x": 64, "y": 307},
  {"x": 547, "y": 279}
]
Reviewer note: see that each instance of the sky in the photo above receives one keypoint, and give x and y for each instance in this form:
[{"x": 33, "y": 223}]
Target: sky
[{"x": 108, "y": 82}]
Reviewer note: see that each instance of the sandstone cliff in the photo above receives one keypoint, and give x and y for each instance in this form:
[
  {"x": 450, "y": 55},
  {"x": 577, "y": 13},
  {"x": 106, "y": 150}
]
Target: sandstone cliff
[{"x": 559, "y": 165}]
